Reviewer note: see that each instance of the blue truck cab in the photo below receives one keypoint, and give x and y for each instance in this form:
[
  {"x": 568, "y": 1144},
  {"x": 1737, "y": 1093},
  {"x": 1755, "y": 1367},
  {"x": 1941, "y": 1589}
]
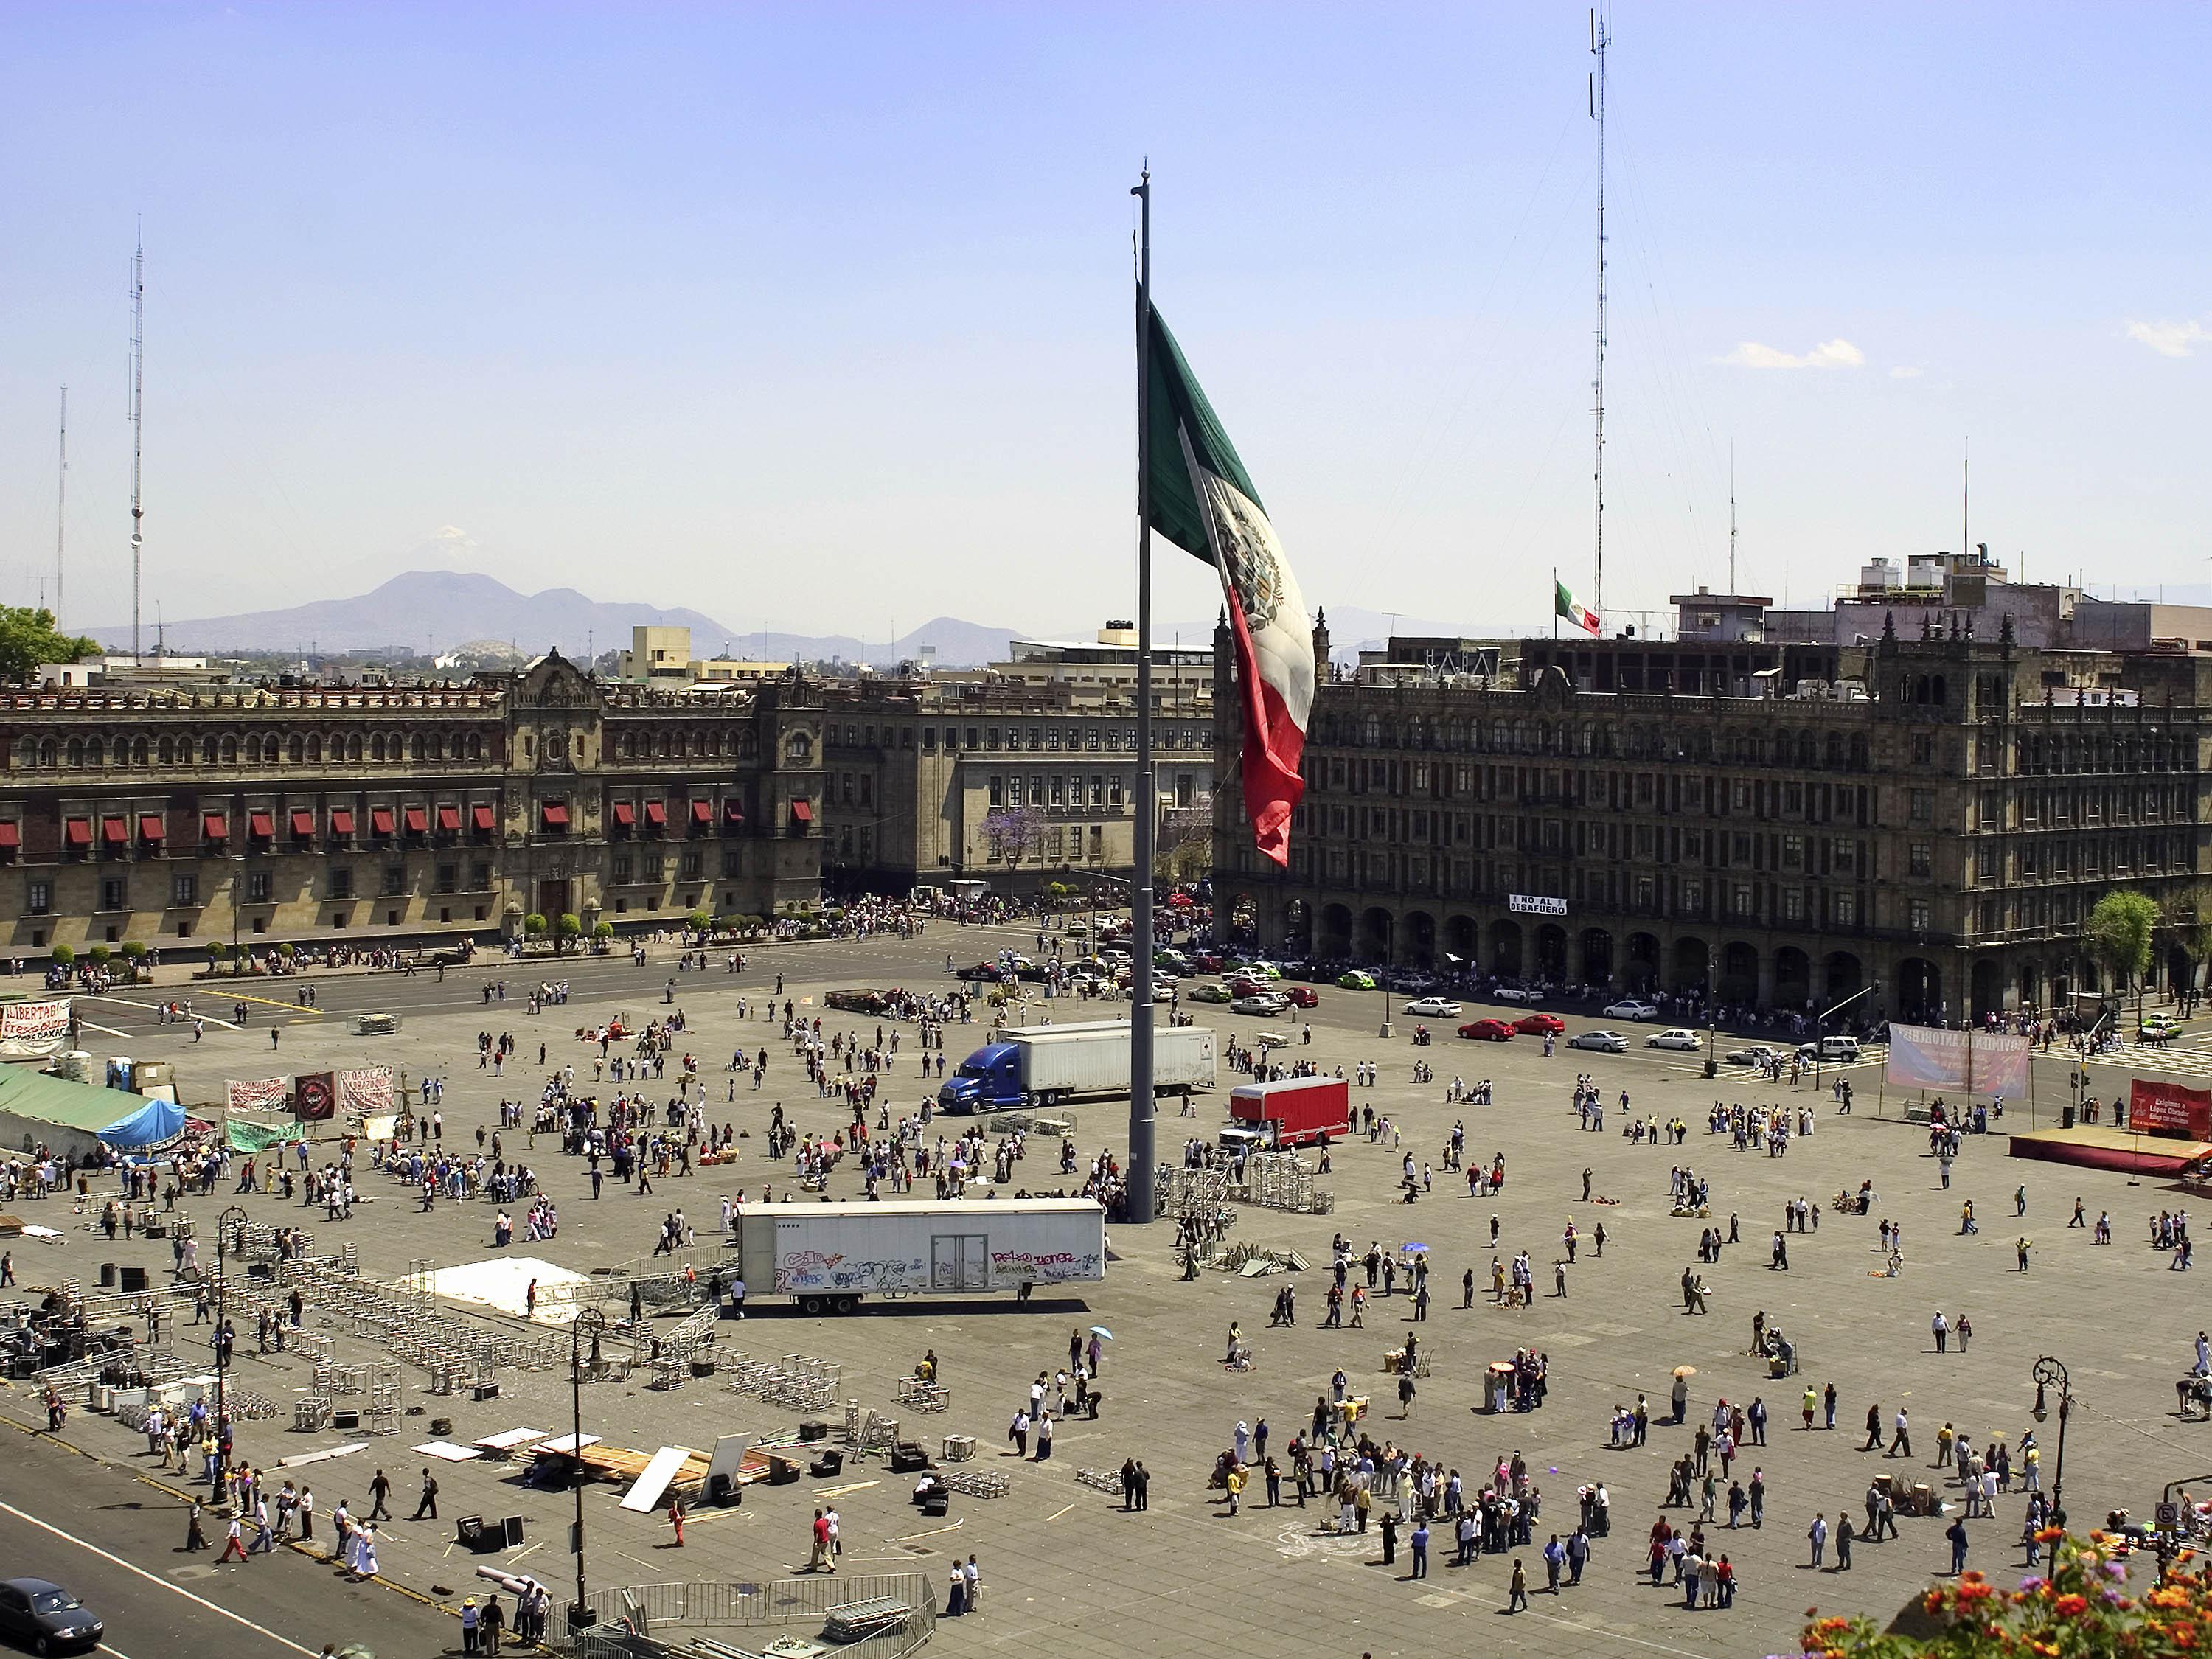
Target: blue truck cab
[{"x": 990, "y": 1079}]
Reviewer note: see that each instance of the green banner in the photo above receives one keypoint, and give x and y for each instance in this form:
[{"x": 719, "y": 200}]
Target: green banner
[{"x": 246, "y": 1137}]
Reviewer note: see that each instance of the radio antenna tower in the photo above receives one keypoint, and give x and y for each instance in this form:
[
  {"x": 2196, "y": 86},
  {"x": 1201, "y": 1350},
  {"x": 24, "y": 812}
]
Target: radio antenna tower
[
  {"x": 61, "y": 510},
  {"x": 1601, "y": 38},
  {"x": 137, "y": 429}
]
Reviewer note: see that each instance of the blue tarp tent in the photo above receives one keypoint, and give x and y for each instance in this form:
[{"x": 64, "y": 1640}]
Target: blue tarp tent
[{"x": 154, "y": 1124}]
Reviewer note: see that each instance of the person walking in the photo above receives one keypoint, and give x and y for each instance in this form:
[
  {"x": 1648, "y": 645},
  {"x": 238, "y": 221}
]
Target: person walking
[
  {"x": 428, "y": 1506},
  {"x": 1819, "y": 1535},
  {"x": 1419, "y": 1541},
  {"x": 1957, "y": 1533},
  {"x": 1843, "y": 1540},
  {"x": 817, "y": 1558},
  {"x": 378, "y": 1490},
  {"x": 1517, "y": 1596},
  {"x": 1900, "y": 1443},
  {"x": 234, "y": 1544}
]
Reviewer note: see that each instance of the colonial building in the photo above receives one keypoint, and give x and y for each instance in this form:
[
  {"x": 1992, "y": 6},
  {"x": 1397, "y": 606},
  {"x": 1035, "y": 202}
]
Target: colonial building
[
  {"x": 159, "y": 813},
  {"x": 1018, "y": 774},
  {"x": 1927, "y": 817}
]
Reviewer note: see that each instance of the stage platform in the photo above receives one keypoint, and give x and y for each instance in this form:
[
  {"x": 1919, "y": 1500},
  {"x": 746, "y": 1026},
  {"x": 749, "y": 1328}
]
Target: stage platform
[{"x": 2099, "y": 1146}]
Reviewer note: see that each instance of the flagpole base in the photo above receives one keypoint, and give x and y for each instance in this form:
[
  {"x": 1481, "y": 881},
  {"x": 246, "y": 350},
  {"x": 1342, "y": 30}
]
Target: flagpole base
[{"x": 1385, "y": 1032}]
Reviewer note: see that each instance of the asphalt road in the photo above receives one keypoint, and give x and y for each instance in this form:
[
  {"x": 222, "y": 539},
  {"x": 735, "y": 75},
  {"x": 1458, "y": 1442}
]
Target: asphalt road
[{"x": 119, "y": 1543}]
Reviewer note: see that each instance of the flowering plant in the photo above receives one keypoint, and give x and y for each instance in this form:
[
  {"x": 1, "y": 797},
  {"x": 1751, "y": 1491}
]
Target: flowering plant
[{"x": 2083, "y": 1605}]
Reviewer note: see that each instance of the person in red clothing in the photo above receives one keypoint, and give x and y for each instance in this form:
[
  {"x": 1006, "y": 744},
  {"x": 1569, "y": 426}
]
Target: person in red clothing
[
  {"x": 819, "y": 1558},
  {"x": 676, "y": 1519},
  {"x": 234, "y": 1545}
]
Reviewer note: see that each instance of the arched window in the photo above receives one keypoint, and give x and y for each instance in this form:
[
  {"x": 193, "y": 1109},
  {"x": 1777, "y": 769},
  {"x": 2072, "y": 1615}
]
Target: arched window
[
  {"x": 376, "y": 747},
  {"x": 299, "y": 749},
  {"x": 418, "y": 747},
  {"x": 1835, "y": 749},
  {"x": 168, "y": 751},
  {"x": 315, "y": 749},
  {"x": 475, "y": 748},
  {"x": 46, "y": 752},
  {"x": 1807, "y": 751},
  {"x": 77, "y": 751},
  {"x": 353, "y": 748},
  {"x": 139, "y": 751},
  {"x": 230, "y": 751},
  {"x": 95, "y": 753}
]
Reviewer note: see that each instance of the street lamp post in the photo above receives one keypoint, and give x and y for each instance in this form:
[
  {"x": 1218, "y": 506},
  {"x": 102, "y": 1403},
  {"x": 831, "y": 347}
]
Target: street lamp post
[
  {"x": 1389, "y": 950},
  {"x": 222, "y": 1230},
  {"x": 1820, "y": 1021},
  {"x": 2049, "y": 1373},
  {"x": 580, "y": 1616}
]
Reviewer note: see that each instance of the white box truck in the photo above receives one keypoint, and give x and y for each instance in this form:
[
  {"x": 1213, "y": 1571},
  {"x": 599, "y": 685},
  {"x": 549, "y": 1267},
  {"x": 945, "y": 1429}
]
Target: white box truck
[
  {"x": 1046, "y": 1064},
  {"x": 827, "y": 1256}
]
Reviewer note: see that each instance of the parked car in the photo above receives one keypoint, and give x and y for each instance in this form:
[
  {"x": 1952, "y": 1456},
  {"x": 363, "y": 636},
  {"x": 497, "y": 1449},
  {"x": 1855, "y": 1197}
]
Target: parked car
[
  {"x": 1630, "y": 1008},
  {"x": 1246, "y": 984},
  {"x": 981, "y": 971},
  {"x": 1605, "y": 1042},
  {"x": 47, "y": 1618},
  {"x": 1757, "y": 1055},
  {"x": 1433, "y": 1008},
  {"x": 1262, "y": 969},
  {"x": 1514, "y": 994},
  {"x": 1265, "y": 1003},
  {"x": 1539, "y": 1025},
  {"x": 1209, "y": 993},
  {"x": 1302, "y": 996},
  {"x": 1687, "y": 1043},
  {"x": 1355, "y": 979},
  {"x": 1487, "y": 1031}
]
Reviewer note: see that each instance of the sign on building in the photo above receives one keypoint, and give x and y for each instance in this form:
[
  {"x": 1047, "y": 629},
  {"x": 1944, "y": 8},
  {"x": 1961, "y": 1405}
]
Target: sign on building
[{"x": 1536, "y": 904}]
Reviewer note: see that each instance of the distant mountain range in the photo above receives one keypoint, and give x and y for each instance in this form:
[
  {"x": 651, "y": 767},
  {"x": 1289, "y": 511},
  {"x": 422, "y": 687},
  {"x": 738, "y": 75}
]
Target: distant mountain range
[{"x": 428, "y": 611}]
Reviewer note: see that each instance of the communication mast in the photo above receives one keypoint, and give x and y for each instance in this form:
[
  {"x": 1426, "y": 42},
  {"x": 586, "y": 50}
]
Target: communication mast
[
  {"x": 138, "y": 421},
  {"x": 1601, "y": 38},
  {"x": 61, "y": 510}
]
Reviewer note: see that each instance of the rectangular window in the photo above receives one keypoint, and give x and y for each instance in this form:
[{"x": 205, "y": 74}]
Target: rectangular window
[
  {"x": 114, "y": 894},
  {"x": 693, "y": 863},
  {"x": 1844, "y": 855},
  {"x": 1793, "y": 852},
  {"x": 1059, "y": 791},
  {"x": 972, "y": 743},
  {"x": 929, "y": 737},
  {"x": 395, "y": 881},
  {"x": 1986, "y": 860},
  {"x": 257, "y": 887},
  {"x": 997, "y": 791},
  {"x": 449, "y": 878},
  {"x": 39, "y": 898},
  {"x": 184, "y": 891},
  {"x": 1741, "y": 901},
  {"x": 1098, "y": 791},
  {"x": 339, "y": 881},
  {"x": 1919, "y": 914},
  {"x": 1923, "y": 747},
  {"x": 1921, "y": 859},
  {"x": 623, "y": 867},
  {"x": 1694, "y": 897},
  {"x": 1923, "y": 805},
  {"x": 480, "y": 876},
  {"x": 652, "y": 867},
  {"x": 1036, "y": 790},
  {"x": 733, "y": 861},
  {"x": 1847, "y": 909},
  {"x": 1114, "y": 792},
  {"x": 1793, "y": 904},
  {"x": 990, "y": 737}
]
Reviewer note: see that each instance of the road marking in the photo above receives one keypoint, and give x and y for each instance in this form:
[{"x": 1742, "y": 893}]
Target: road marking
[
  {"x": 118, "y": 1652},
  {"x": 156, "y": 1008},
  {"x": 174, "y": 1590},
  {"x": 105, "y": 1031}
]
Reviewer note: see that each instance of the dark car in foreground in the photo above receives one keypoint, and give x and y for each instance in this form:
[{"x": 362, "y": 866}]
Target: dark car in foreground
[{"x": 46, "y": 1618}]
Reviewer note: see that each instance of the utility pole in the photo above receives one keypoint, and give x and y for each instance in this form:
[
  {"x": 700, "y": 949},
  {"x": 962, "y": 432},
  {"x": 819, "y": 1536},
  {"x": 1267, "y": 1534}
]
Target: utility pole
[
  {"x": 61, "y": 511},
  {"x": 1601, "y": 38},
  {"x": 137, "y": 430}
]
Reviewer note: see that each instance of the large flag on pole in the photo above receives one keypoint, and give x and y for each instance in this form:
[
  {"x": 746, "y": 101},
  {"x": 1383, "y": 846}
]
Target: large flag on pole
[
  {"x": 1565, "y": 603},
  {"x": 1203, "y": 500}
]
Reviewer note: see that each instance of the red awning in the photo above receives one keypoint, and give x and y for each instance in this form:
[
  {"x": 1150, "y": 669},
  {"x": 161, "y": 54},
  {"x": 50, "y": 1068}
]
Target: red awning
[
  {"x": 734, "y": 810},
  {"x": 485, "y": 820},
  {"x": 625, "y": 815},
  {"x": 557, "y": 815},
  {"x": 303, "y": 823},
  {"x": 802, "y": 810},
  {"x": 656, "y": 813},
  {"x": 77, "y": 832},
  {"x": 262, "y": 824},
  {"x": 215, "y": 826},
  {"x": 342, "y": 820},
  {"x": 449, "y": 820},
  {"x": 115, "y": 831},
  {"x": 12, "y": 836},
  {"x": 418, "y": 821},
  {"x": 702, "y": 811},
  {"x": 150, "y": 827},
  {"x": 379, "y": 820}
]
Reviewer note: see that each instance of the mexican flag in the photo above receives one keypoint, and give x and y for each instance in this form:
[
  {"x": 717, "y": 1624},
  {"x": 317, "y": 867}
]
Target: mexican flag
[
  {"x": 1203, "y": 500},
  {"x": 1565, "y": 603}
]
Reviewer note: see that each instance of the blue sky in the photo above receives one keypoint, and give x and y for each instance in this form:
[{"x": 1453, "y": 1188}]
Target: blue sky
[{"x": 818, "y": 317}]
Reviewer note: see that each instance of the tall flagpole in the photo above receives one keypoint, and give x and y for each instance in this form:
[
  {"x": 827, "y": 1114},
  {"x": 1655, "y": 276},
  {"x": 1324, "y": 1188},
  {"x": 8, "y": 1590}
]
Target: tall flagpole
[{"x": 1147, "y": 802}]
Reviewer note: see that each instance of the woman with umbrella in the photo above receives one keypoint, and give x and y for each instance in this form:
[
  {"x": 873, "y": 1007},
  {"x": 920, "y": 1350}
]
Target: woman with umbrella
[
  {"x": 1681, "y": 1394},
  {"x": 1098, "y": 1334}
]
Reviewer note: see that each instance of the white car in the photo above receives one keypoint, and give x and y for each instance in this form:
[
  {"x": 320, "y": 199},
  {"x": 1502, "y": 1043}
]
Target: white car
[
  {"x": 1261, "y": 1002},
  {"x": 1687, "y": 1041},
  {"x": 1630, "y": 1008},
  {"x": 1605, "y": 1042},
  {"x": 1513, "y": 993},
  {"x": 1433, "y": 1008}
]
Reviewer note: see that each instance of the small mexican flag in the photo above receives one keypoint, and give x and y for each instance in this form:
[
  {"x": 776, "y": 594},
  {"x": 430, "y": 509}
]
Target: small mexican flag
[{"x": 1565, "y": 603}]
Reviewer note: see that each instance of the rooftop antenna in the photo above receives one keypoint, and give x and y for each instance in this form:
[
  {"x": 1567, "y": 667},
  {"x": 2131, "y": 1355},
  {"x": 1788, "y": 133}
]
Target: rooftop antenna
[
  {"x": 1965, "y": 498},
  {"x": 1733, "y": 590},
  {"x": 61, "y": 509},
  {"x": 1601, "y": 38},
  {"x": 137, "y": 427}
]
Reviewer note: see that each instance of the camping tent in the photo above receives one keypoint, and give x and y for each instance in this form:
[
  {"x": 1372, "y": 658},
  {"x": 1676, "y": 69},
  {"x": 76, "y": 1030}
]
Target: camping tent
[{"x": 154, "y": 1124}]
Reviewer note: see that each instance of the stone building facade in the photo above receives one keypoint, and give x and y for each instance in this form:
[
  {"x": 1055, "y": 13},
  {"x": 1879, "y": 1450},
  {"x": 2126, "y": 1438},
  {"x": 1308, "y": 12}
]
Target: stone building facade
[
  {"x": 162, "y": 814},
  {"x": 1927, "y": 820}
]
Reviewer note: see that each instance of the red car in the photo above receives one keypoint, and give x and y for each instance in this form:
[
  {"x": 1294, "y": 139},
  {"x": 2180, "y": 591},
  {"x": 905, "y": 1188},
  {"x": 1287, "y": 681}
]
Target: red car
[
  {"x": 1489, "y": 1030},
  {"x": 1244, "y": 985},
  {"x": 1539, "y": 1024},
  {"x": 1301, "y": 996}
]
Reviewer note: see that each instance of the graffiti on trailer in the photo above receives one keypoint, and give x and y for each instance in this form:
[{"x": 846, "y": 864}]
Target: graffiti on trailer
[
  {"x": 813, "y": 1270},
  {"x": 1046, "y": 1267}
]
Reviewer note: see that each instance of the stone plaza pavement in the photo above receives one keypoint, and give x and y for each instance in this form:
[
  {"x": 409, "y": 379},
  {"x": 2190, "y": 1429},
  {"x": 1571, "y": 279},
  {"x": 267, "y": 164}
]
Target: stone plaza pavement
[{"x": 1064, "y": 1570}]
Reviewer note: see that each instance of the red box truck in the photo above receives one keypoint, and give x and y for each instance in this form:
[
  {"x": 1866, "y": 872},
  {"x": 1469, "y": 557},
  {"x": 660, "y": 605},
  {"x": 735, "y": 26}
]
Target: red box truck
[{"x": 1292, "y": 1111}]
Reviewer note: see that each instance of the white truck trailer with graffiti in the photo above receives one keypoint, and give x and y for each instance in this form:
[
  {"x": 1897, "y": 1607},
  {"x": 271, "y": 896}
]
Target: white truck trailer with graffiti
[{"x": 827, "y": 1256}]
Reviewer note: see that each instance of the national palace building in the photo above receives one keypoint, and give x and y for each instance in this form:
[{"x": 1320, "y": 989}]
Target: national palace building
[
  {"x": 167, "y": 812},
  {"x": 1919, "y": 793}
]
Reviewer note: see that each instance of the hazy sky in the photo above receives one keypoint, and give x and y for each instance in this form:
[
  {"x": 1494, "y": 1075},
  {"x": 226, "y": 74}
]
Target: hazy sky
[{"x": 817, "y": 316}]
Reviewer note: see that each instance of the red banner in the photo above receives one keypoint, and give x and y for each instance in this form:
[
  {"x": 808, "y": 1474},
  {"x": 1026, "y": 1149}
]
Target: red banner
[
  {"x": 2167, "y": 1108},
  {"x": 314, "y": 1097}
]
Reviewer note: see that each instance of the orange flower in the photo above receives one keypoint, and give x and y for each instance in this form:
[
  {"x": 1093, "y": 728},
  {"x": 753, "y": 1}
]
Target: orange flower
[
  {"x": 2049, "y": 1535},
  {"x": 2071, "y": 1607}
]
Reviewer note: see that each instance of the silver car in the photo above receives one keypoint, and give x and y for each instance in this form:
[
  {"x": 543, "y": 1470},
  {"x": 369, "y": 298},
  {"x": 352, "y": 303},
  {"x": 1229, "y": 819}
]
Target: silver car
[{"x": 1605, "y": 1042}]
